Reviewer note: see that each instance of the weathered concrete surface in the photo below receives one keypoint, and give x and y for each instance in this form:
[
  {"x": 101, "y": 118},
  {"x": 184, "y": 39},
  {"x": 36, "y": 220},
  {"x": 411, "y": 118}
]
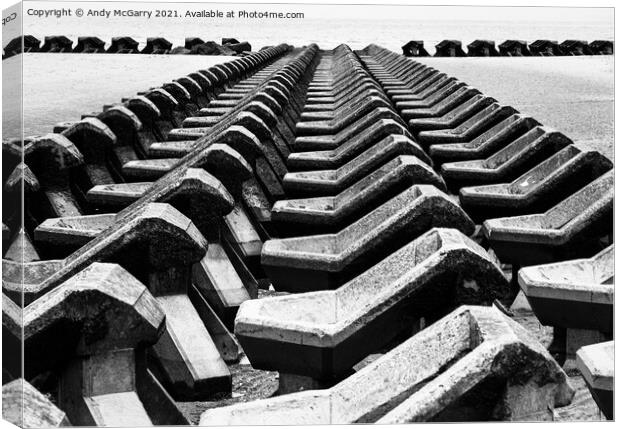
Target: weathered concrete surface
[
  {"x": 539, "y": 189},
  {"x": 295, "y": 217},
  {"x": 522, "y": 154},
  {"x": 452, "y": 119},
  {"x": 470, "y": 128},
  {"x": 26, "y": 407},
  {"x": 250, "y": 384},
  {"x": 82, "y": 325},
  {"x": 573, "y": 294},
  {"x": 596, "y": 363},
  {"x": 330, "y": 182},
  {"x": 473, "y": 351},
  {"x": 487, "y": 143},
  {"x": 572, "y": 228},
  {"x": 326, "y": 261},
  {"x": 582, "y": 91},
  {"x": 324, "y": 334}
]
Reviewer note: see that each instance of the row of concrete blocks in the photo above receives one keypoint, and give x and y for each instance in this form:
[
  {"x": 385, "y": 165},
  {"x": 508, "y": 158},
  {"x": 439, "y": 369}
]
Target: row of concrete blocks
[
  {"x": 563, "y": 190},
  {"x": 402, "y": 249},
  {"x": 565, "y": 195},
  {"x": 268, "y": 162},
  {"x": 315, "y": 347},
  {"x": 576, "y": 297},
  {"x": 167, "y": 237},
  {"x": 511, "y": 48},
  {"x": 124, "y": 45},
  {"x": 78, "y": 163}
]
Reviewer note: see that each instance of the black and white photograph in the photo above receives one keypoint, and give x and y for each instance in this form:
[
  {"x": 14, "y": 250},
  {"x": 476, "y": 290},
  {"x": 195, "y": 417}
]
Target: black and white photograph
[{"x": 307, "y": 213}]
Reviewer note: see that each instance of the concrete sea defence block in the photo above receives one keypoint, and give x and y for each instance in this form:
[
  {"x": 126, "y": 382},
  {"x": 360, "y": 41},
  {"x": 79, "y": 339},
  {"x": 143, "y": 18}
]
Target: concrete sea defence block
[
  {"x": 435, "y": 97},
  {"x": 545, "y": 48},
  {"x": 24, "y": 406},
  {"x": 188, "y": 360},
  {"x": 453, "y": 118},
  {"x": 410, "y": 85},
  {"x": 56, "y": 44},
  {"x": 191, "y": 41},
  {"x": 194, "y": 192},
  {"x": 487, "y": 143},
  {"x": 539, "y": 189},
  {"x": 217, "y": 280},
  {"x": 341, "y": 120},
  {"x": 570, "y": 229},
  {"x": 222, "y": 288},
  {"x": 49, "y": 159},
  {"x": 576, "y": 294},
  {"x": 331, "y": 214},
  {"x": 461, "y": 94},
  {"x": 323, "y": 105},
  {"x": 154, "y": 279},
  {"x": 150, "y": 118},
  {"x": 508, "y": 163},
  {"x": 123, "y": 45},
  {"x": 332, "y": 111},
  {"x": 602, "y": 47},
  {"x": 470, "y": 128},
  {"x": 435, "y": 87},
  {"x": 596, "y": 364},
  {"x": 575, "y": 47},
  {"x": 324, "y": 334},
  {"x": 148, "y": 169},
  {"x": 95, "y": 140},
  {"x": 455, "y": 358},
  {"x": 482, "y": 48},
  {"x": 111, "y": 112},
  {"x": 349, "y": 149},
  {"x": 72, "y": 231},
  {"x": 220, "y": 160},
  {"x": 158, "y": 223},
  {"x": 357, "y": 128},
  {"x": 156, "y": 45},
  {"x": 130, "y": 140},
  {"x": 89, "y": 45},
  {"x": 340, "y": 92},
  {"x": 406, "y": 79},
  {"x": 29, "y": 43},
  {"x": 514, "y": 48},
  {"x": 415, "y": 48},
  {"x": 326, "y": 261},
  {"x": 330, "y": 182},
  {"x": 449, "y": 48},
  {"x": 82, "y": 325},
  {"x": 183, "y": 97}
]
